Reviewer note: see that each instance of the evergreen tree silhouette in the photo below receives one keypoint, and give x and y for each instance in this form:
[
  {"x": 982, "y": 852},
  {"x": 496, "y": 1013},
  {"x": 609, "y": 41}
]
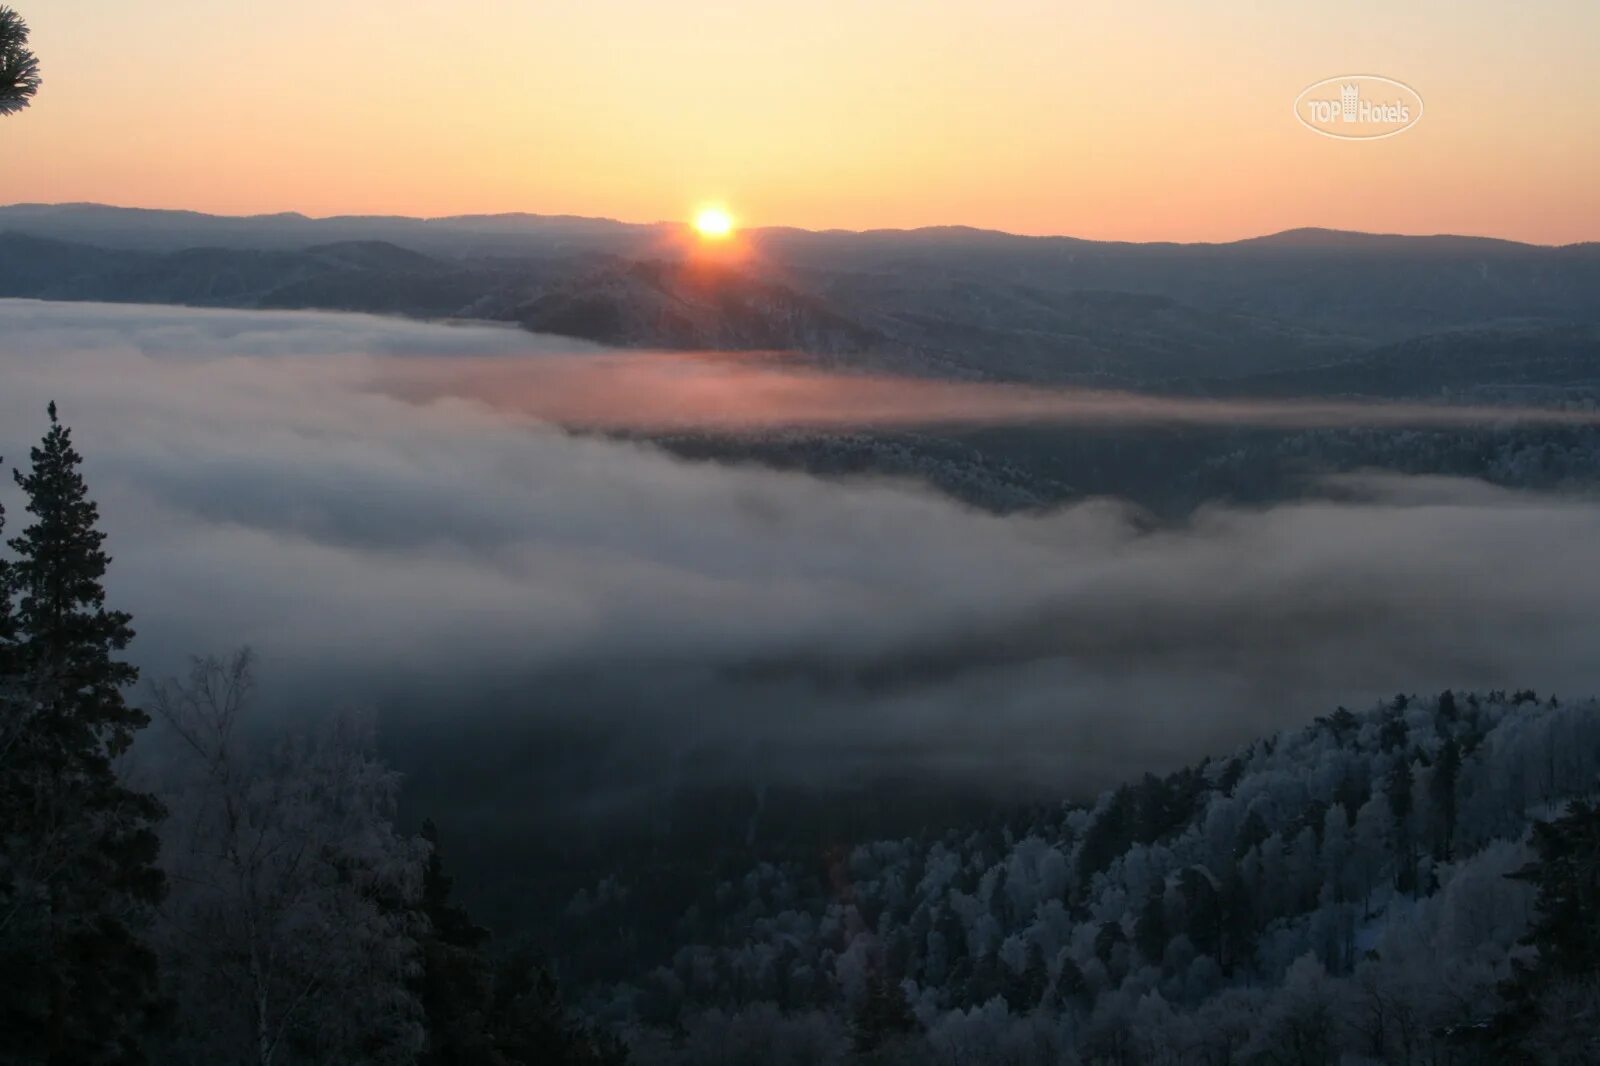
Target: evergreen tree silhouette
[
  {"x": 19, "y": 68},
  {"x": 77, "y": 856}
]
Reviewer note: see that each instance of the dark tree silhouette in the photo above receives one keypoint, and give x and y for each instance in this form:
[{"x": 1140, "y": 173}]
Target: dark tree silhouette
[
  {"x": 77, "y": 847},
  {"x": 882, "y": 1015},
  {"x": 457, "y": 983},
  {"x": 1566, "y": 930},
  {"x": 1399, "y": 790},
  {"x": 1442, "y": 789},
  {"x": 19, "y": 68},
  {"x": 485, "y": 1012},
  {"x": 1150, "y": 932},
  {"x": 8, "y": 637},
  {"x": 1551, "y": 1003}
]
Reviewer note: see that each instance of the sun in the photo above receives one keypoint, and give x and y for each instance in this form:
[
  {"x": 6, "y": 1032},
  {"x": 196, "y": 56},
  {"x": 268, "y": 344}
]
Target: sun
[{"x": 713, "y": 223}]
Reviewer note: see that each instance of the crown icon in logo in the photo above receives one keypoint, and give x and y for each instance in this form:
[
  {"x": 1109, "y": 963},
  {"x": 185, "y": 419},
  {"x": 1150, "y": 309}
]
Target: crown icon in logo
[{"x": 1348, "y": 95}]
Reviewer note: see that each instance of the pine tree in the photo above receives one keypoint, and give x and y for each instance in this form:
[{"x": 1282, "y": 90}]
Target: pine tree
[
  {"x": 1566, "y": 928},
  {"x": 1399, "y": 791},
  {"x": 1392, "y": 734},
  {"x": 1231, "y": 775},
  {"x": 882, "y": 1015},
  {"x": 1253, "y": 832},
  {"x": 69, "y": 635},
  {"x": 1106, "y": 939},
  {"x": 11, "y": 709},
  {"x": 77, "y": 875},
  {"x": 1070, "y": 988},
  {"x": 19, "y": 69},
  {"x": 1202, "y": 910},
  {"x": 1238, "y": 920},
  {"x": 1351, "y": 794},
  {"x": 1024, "y": 988},
  {"x": 1150, "y": 931},
  {"x": 1107, "y": 836},
  {"x": 1549, "y": 1004},
  {"x": 533, "y": 1027},
  {"x": 1442, "y": 791},
  {"x": 8, "y": 629},
  {"x": 480, "y": 1013},
  {"x": 457, "y": 982},
  {"x": 14, "y": 714},
  {"x": 1343, "y": 725}
]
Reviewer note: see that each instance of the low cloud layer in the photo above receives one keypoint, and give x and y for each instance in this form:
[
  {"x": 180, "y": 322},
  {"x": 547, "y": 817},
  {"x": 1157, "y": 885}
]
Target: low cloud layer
[
  {"x": 665, "y": 391},
  {"x": 283, "y": 480}
]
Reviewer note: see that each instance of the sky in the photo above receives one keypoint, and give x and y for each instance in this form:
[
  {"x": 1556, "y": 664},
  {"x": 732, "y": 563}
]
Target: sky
[{"x": 1164, "y": 120}]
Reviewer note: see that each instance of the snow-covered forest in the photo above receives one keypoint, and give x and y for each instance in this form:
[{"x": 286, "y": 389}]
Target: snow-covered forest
[{"x": 1357, "y": 888}]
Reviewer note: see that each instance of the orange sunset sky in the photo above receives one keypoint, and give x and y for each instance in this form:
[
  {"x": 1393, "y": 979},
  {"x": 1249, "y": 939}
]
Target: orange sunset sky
[{"x": 1159, "y": 120}]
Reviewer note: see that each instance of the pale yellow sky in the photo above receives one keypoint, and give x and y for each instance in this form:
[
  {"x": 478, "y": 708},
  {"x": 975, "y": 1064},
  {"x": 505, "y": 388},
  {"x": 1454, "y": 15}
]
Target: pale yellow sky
[{"x": 1160, "y": 120}]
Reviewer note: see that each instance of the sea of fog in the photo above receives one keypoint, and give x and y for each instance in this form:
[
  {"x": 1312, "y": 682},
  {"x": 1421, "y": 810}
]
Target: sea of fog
[{"x": 393, "y": 516}]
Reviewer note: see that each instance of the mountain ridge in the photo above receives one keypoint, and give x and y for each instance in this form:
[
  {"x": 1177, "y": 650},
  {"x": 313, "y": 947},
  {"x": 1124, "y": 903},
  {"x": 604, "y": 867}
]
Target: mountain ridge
[
  {"x": 1295, "y": 236},
  {"x": 942, "y": 302}
]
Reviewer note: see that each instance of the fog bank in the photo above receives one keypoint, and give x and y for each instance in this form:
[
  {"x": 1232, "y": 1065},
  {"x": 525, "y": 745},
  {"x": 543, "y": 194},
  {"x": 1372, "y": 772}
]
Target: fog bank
[{"x": 464, "y": 566}]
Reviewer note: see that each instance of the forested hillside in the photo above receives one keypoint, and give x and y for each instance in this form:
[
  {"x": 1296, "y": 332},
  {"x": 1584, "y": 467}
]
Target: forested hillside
[
  {"x": 1306, "y": 310},
  {"x": 1351, "y": 887}
]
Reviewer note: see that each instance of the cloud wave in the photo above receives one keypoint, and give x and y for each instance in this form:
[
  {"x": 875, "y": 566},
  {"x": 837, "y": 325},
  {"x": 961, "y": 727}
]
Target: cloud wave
[{"x": 466, "y": 567}]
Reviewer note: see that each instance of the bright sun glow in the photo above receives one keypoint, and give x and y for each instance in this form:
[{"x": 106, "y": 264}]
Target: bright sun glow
[{"x": 713, "y": 223}]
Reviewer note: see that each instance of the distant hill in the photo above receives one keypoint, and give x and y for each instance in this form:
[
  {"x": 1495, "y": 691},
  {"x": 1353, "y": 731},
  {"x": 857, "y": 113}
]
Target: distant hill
[
  {"x": 946, "y": 301},
  {"x": 164, "y": 231},
  {"x": 358, "y": 276},
  {"x": 1088, "y": 336},
  {"x": 1380, "y": 288},
  {"x": 1537, "y": 357},
  {"x": 657, "y": 303}
]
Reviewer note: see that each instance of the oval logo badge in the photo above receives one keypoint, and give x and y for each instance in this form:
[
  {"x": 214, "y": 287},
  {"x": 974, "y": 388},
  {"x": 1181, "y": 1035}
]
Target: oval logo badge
[{"x": 1358, "y": 107}]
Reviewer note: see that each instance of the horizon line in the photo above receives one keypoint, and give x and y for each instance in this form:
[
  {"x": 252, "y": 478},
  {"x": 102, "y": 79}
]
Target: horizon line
[{"x": 778, "y": 228}]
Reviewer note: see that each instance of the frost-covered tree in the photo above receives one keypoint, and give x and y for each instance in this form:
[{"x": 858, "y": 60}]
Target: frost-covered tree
[
  {"x": 1302, "y": 1026},
  {"x": 291, "y": 933},
  {"x": 19, "y": 68},
  {"x": 1340, "y": 896},
  {"x": 77, "y": 846}
]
